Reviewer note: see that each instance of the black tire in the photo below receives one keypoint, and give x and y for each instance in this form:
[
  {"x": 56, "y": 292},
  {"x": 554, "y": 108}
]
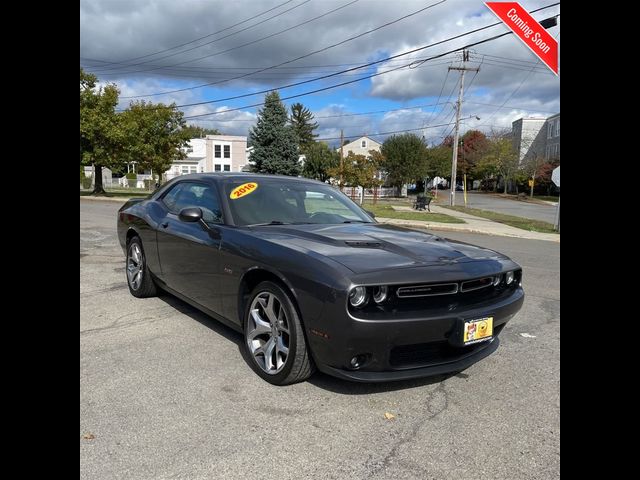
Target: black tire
[
  {"x": 139, "y": 287},
  {"x": 297, "y": 365}
]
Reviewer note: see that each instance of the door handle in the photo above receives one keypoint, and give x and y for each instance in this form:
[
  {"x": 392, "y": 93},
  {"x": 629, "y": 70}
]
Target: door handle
[{"x": 164, "y": 224}]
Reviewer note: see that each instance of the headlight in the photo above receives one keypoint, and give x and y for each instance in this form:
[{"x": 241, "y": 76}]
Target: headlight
[
  {"x": 497, "y": 280},
  {"x": 358, "y": 296},
  {"x": 380, "y": 293},
  {"x": 509, "y": 278}
]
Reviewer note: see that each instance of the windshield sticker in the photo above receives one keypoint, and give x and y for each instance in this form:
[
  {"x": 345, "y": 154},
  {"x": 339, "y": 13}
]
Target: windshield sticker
[{"x": 242, "y": 190}]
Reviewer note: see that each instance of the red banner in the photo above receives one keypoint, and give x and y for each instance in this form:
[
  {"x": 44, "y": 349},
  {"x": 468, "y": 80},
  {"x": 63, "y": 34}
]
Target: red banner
[{"x": 528, "y": 30}]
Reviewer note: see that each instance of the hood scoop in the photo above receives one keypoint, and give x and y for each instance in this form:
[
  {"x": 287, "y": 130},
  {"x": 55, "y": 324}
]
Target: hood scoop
[{"x": 363, "y": 244}]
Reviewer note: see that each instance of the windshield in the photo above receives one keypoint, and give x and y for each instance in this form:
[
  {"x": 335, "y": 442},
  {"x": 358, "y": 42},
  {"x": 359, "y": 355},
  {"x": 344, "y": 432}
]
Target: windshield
[{"x": 277, "y": 202}]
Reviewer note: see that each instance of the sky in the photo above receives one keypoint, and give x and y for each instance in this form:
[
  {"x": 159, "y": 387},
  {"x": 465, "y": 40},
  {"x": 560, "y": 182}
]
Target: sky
[{"x": 205, "y": 52}]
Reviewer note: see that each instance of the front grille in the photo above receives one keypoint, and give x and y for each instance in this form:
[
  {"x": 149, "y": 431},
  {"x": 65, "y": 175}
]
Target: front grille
[
  {"x": 427, "y": 290},
  {"x": 476, "y": 284}
]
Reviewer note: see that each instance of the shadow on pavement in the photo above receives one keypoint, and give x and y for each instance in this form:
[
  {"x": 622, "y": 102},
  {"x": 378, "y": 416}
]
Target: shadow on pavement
[{"x": 319, "y": 379}]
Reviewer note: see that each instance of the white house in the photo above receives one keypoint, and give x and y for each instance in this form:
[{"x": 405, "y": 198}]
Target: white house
[
  {"x": 214, "y": 153},
  {"x": 537, "y": 137},
  {"x": 361, "y": 146}
]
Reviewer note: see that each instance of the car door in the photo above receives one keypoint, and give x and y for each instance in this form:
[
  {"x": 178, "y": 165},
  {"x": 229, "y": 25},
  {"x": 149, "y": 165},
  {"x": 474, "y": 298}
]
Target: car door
[{"x": 189, "y": 252}]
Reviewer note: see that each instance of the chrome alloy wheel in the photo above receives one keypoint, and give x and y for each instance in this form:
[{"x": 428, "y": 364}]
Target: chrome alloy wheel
[
  {"x": 268, "y": 332},
  {"x": 135, "y": 266}
]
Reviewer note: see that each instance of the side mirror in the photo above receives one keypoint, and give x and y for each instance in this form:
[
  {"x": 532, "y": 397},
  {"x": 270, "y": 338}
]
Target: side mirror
[{"x": 190, "y": 214}]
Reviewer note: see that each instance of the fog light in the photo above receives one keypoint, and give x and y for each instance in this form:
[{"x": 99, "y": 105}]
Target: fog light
[
  {"x": 496, "y": 281},
  {"x": 358, "y": 296},
  {"x": 380, "y": 293},
  {"x": 509, "y": 278},
  {"x": 358, "y": 361}
]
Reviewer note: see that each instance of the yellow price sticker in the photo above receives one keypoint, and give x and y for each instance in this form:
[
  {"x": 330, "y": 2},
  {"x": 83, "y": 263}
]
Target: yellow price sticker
[{"x": 242, "y": 190}]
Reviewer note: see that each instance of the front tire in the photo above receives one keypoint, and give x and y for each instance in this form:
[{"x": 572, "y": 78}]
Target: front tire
[
  {"x": 138, "y": 276},
  {"x": 274, "y": 337}
]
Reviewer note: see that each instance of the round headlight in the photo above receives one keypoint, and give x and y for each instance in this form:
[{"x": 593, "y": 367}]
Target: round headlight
[
  {"x": 496, "y": 280},
  {"x": 380, "y": 293},
  {"x": 509, "y": 278},
  {"x": 358, "y": 296}
]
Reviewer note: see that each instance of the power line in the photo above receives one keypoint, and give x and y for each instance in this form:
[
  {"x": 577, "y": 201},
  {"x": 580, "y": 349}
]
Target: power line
[
  {"x": 209, "y": 35},
  {"x": 331, "y": 86},
  {"x": 249, "y": 43},
  {"x": 352, "y": 69},
  {"x": 306, "y": 55}
]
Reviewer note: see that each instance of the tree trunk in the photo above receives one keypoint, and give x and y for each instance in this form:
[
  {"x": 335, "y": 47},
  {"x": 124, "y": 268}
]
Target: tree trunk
[
  {"x": 505, "y": 186},
  {"x": 533, "y": 179},
  {"x": 98, "y": 189}
]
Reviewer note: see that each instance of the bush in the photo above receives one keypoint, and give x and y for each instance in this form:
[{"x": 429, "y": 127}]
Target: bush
[
  {"x": 82, "y": 175},
  {"x": 85, "y": 182},
  {"x": 131, "y": 176}
]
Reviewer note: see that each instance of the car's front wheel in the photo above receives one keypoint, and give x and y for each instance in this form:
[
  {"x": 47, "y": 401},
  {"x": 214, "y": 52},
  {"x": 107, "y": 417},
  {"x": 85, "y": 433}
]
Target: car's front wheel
[
  {"x": 138, "y": 277},
  {"x": 274, "y": 337}
]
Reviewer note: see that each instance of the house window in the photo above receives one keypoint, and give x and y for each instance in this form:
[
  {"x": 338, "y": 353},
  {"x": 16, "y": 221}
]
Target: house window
[
  {"x": 227, "y": 151},
  {"x": 217, "y": 151},
  {"x": 217, "y": 167},
  {"x": 185, "y": 170},
  {"x": 364, "y": 144},
  {"x": 227, "y": 168},
  {"x": 193, "y": 169},
  {"x": 558, "y": 128},
  {"x": 549, "y": 129}
]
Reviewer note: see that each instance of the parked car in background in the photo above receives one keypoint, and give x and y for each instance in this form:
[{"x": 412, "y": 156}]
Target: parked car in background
[{"x": 313, "y": 281}]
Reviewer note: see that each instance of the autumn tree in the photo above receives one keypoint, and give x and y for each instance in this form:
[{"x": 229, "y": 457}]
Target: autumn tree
[
  {"x": 503, "y": 158},
  {"x": 274, "y": 142},
  {"x": 301, "y": 120},
  {"x": 357, "y": 171},
  {"x": 194, "y": 131}
]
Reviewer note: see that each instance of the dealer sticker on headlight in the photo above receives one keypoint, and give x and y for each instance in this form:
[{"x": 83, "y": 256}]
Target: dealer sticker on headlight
[{"x": 478, "y": 330}]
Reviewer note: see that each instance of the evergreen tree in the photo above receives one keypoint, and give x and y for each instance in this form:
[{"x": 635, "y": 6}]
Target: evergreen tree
[
  {"x": 275, "y": 149},
  {"x": 302, "y": 122}
]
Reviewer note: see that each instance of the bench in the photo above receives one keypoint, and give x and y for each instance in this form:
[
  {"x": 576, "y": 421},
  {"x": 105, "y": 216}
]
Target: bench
[{"x": 422, "y": 203}]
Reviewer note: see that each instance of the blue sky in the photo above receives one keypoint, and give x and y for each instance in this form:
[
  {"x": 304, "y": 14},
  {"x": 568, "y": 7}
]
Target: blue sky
[{"x": 149, "y": 47}]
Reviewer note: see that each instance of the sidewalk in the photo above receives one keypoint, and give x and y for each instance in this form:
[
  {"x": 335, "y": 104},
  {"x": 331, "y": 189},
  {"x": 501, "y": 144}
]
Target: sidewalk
[{"x": 473, "y": 225}]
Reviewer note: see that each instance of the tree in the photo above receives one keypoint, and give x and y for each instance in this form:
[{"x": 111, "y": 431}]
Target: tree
[
  {"x": 156, "y": 135},
  {"x": 404, "y": 158},
  {"x": 473, "y": 146},
  {"x": 356, "y": 171},
  {"x": 303, "y": 125},
  {"x": 194, "y": 131},
  {"x": 503, "y": 158},
  {"x": 319, "y": 159},
  {"x": 275, "y": 145},
  {"x": 101, "y": 132},
  {"x": 438, "y": 163}
]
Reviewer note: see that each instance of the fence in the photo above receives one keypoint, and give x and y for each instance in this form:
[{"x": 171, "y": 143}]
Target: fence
[{"x": 142, "y": 182}]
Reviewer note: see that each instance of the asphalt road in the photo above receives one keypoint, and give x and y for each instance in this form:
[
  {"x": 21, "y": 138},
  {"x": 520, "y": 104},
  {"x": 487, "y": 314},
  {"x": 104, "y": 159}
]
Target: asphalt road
[
  {"x": 165, "y": 393},
  {"x": 534, "y": 211}
]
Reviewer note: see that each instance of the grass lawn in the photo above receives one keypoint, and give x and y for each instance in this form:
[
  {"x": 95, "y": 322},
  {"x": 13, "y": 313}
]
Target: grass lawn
[
  {"x": 518, "y": 222},
  {"x": 385, "y": 210}
]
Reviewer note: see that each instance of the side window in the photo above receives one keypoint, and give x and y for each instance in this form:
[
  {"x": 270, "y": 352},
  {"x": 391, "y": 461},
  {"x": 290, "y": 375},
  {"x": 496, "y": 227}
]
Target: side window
[{"x": 192, "y": 194}]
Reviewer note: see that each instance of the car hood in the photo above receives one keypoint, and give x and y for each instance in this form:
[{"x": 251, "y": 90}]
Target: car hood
[{"x": 374, "y": 246}]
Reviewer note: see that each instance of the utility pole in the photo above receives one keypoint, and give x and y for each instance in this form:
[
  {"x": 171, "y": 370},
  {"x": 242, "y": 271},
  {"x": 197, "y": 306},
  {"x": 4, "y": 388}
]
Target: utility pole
[
  {"x": 454, "y": 162},
  {"x": 341, "y": 156}
]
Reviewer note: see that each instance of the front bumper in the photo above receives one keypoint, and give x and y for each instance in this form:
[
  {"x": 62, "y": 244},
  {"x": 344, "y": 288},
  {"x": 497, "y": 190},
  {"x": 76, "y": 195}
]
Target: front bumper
[{"x": 405, "y": 348}]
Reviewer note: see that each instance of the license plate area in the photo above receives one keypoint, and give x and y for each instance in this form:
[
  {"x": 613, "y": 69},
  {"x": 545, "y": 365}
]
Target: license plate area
[{"x": 477, "y": 330}]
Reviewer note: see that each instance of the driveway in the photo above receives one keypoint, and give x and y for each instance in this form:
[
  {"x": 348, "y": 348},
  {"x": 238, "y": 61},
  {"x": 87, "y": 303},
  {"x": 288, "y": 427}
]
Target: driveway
[{"x": 165, "y": 393}]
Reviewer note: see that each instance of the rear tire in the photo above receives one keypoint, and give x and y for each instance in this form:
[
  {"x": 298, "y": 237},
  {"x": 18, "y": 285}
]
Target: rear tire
[
  {"x": 274, "y": 339},
  {"x": 139, "y": 279}
]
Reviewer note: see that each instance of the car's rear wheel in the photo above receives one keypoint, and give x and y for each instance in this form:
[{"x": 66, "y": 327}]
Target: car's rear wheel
[
  {"x": 274, "y": 337},
  {"x": 138, "y": 277}
]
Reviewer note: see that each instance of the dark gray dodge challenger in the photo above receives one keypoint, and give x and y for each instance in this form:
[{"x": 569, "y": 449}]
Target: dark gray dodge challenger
[{"x": 312, "y": 280}]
